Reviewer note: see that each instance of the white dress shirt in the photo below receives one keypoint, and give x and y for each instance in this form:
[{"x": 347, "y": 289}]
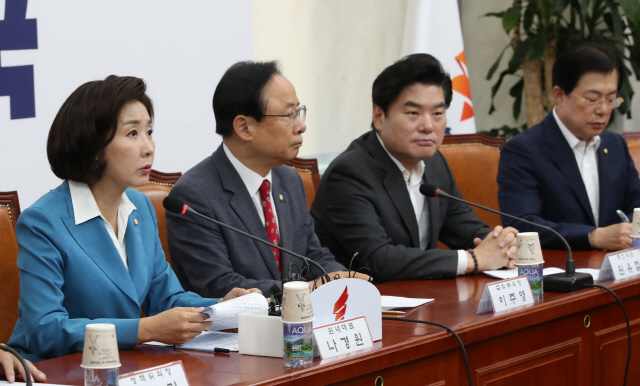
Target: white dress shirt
[
  {"x": 85, "y": 208},
  {"x": 587, "y": 159},
  {"x": 413, "y": 180},
  {"x": 252, "y": 182}
]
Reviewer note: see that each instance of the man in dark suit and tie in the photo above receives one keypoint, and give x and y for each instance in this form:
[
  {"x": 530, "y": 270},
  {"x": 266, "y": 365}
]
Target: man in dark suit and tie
[
  {"x": 369, "y": 201},
  {"x": 568, "y": 172},
  {"x": 244, "y": 184}
]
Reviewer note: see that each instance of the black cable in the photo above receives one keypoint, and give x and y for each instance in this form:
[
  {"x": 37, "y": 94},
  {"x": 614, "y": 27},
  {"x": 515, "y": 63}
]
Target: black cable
[
  {"x": 464, "y": 352},
  {"x": 24, "y": 364},
  {"x": 626, "y": 317}
]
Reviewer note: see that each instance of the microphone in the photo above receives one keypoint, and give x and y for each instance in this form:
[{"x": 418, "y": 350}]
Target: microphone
[
  {"x": 174, "y": 205},
  {"x": 568, "y": 281}
]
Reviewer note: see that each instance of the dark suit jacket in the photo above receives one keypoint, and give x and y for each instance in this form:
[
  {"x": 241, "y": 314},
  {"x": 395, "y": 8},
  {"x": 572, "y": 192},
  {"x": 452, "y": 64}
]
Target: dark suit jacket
[
  {"x": 540, "y": 182},
  {"x": 209, "y": 259},
  {"x": 362, "y": 205}
]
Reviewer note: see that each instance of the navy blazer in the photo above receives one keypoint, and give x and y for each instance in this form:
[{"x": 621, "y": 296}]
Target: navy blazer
[
  {"x": 362, "y": 205},
  {"x": 539, "y": 180},
  {"x": 211, "y": 260},
  {"x": 72, "y": 275}
]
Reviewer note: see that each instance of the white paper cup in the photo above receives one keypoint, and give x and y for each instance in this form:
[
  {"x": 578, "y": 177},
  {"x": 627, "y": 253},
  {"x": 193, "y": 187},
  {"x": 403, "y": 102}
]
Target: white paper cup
[
  {"x": 100, "y": 347},
  {"x": 296, "y": 302},
  {"x": 635, "y": 223},
  {"x": 528, "y": 250}
]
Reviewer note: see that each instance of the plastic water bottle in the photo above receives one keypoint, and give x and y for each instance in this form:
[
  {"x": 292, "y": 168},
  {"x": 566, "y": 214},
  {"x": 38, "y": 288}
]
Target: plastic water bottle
[
  {"x": 298, "y": 344},
  {"x": 101, "y": 377}
]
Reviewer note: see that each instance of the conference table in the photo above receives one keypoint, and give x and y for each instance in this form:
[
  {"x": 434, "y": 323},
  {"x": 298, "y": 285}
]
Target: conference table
[{"x": 577, "y": 338}]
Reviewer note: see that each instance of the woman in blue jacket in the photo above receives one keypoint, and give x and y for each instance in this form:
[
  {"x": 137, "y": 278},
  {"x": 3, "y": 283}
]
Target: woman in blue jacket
[{"x": 89, "y": 249}]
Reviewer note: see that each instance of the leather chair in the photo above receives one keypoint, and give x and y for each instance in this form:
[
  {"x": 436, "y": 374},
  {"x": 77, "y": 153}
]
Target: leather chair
[
  {"x": 473, "y": 159},
  {"x": 157, "y": 189},
  {"x": 9, "y": 273},
  {"x": 10, "y": 201},
  {"x": 308, "y": 170},
  {"x": 633, "y": 142}
]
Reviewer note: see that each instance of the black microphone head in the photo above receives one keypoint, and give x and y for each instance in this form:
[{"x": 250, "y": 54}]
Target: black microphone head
[
  {"x": 429, "y": 190},
  {"x": 173, "y": 204}
]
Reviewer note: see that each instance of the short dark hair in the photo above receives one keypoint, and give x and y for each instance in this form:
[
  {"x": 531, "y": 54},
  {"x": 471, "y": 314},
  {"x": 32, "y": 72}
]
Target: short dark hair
[
  {"x": 86, "y": 123},
  {"x": 240, "y": 92},
  {"x": 578, "y": 60},
  {"x": 416, "y": 68}
]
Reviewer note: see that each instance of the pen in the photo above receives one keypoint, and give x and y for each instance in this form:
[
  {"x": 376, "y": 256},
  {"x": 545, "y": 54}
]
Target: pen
[
  {"x": 392, "y": 312},
  {"x": 622, "y": 216},
  {"x": 221, "y": 350}
]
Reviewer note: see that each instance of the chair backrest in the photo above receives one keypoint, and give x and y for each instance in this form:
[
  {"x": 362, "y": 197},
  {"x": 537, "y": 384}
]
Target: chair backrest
[
  {"x": 157, "y": 189},
  {"x": 10, "y": 201},
  {"x": 633, "y": 142},
  {"x": 308, "y": 170},
  {"x": 473, "y": 159},
  {"x": 9, "y": 275}
]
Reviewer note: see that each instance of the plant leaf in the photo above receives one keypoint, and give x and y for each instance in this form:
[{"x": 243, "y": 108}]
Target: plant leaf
[
  {"x": 559, "y": 6},
  {"x": 494, "y": 66},
  {"x": 616, "y": 20},
  {"x": 495, "y": 14},
  {"x": 538, "y": 45},
  {"x": 529, "y": 14},
  {"x": 511, "y": 18},
  {"x": 518, "y": 55},
  {"x": 545, "y": 14},
  {"x": 516, "y": 92},
  {"x": 631, "y": 9},
  {"x": 496, "y": 86}
]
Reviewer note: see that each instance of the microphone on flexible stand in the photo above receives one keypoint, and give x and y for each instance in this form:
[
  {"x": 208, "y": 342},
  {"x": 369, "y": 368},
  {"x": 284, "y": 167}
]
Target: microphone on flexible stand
[
  {"x": 174, "y": 205},
  {"x": 568, "y": 281}
]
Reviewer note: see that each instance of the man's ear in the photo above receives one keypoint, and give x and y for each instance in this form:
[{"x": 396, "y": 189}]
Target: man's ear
[
  {"x": 241, "y": 126},
  {"x": 558, "y": 95},
  {"x": 377, "y": 117}
]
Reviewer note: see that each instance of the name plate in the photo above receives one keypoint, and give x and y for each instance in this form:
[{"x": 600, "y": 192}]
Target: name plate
[
  {"x": 343, "y": 337},
  {"x": 620, "y": 265},
  {"x": 170, "y": 374},
  {"x": 505, "y": 295}
]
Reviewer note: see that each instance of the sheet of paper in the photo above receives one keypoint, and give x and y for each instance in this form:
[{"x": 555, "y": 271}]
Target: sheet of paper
[
  {"x": 390, "y": 302},
  {"x": 225, "y": 315},
  {"x": 154, "y": 343},
  {"x": 511, "y": 273},
  {"x": 209, "y": 340},
  {"x": 24, "y": 384}
]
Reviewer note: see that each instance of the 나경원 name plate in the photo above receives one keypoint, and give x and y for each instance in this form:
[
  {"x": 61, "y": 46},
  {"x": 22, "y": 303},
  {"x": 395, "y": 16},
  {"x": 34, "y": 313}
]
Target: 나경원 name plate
[{"x": 343, "y": 337}]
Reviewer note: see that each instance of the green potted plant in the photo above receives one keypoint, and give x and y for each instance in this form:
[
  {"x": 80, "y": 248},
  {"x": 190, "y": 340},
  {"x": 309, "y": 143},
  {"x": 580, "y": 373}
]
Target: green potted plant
[{"x": 539, "y": 29}]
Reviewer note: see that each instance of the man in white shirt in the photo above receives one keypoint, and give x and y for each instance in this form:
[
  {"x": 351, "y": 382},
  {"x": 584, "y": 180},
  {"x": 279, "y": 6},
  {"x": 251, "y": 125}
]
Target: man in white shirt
[
  {"x": 369, "y": 198},
  {"x": 245, "y": 184},
  {"x": 567, "y": 172}
]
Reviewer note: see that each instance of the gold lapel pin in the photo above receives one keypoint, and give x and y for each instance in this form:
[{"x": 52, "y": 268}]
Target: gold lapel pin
[
  {"x": 606, "y": 151},
  {"x": 281, "y": 198},
  {"x": 135, "y": 221}
]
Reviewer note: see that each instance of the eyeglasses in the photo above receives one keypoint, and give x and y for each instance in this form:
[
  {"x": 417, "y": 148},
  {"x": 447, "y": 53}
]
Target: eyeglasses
[
  {"x": 300, "y": 112},
  {"x": 608, "y": 101}
]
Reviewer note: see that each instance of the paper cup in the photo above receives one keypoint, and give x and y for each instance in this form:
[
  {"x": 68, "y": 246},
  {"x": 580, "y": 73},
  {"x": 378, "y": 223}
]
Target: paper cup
[
  {"x": 528, "y": 250},
  {"x": 635, "y": 224},
  {"x": 296, "y": 302},
  {"x": 100, "y": 347}
]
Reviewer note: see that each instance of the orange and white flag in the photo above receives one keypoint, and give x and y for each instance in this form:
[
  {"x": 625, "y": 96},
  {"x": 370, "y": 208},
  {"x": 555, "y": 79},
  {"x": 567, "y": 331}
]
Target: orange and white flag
[{"x": 433, "y": 27}]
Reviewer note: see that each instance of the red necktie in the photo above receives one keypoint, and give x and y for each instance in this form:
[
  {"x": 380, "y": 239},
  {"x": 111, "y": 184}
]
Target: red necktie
[{"x": 270, "y": 220}]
